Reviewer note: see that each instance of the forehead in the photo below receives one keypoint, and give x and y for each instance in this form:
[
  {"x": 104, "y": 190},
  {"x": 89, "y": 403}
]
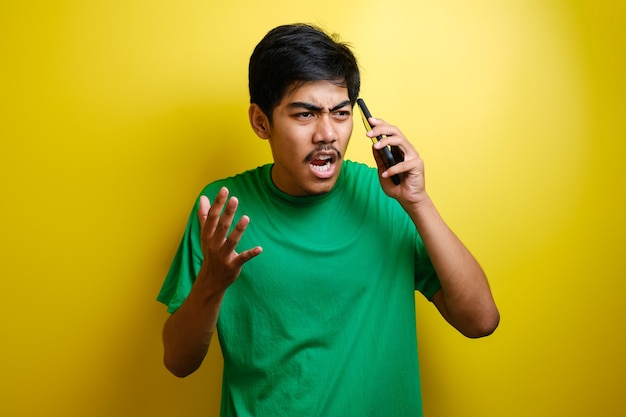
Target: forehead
[{"x": 320, "y": 93}]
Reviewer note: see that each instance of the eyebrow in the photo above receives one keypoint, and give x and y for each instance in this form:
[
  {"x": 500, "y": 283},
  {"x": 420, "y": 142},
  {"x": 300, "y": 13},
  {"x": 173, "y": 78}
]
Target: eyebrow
[{"x": 313, "y": 107}]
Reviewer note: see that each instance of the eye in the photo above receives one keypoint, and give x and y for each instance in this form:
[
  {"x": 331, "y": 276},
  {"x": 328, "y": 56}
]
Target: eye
[
  {"x": 304, "y": 115},
  {"x": 342, "y": 114}
]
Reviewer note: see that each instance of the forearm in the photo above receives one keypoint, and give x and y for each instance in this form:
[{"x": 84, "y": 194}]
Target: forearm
[
  {"x": 188, "y": 332},
  {"x": 465, "y": 299}
]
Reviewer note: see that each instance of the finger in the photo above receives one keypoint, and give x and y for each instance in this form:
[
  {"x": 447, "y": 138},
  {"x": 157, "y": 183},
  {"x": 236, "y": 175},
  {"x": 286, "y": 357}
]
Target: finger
[
  {"x": 213, "y": 215},
  {"x": 400, "y": 147},
  {"x": 376, "y": 121},
  {"x": 203, "y": 213},
  {"x": 414, "y": 166},
  {"x": 203, "y": 210},
  {"x": 391, "y": 139},
  {"x": 382, "y": 128},
  {"x": 235, "y": 235},
  {"x": 226, "y": 219},
  {"x": 245, "y": 256}
]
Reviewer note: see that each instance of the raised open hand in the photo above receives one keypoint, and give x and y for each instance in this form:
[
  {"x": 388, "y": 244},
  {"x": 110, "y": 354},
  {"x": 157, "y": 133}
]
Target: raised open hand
[{"x": 222, "y": 264}]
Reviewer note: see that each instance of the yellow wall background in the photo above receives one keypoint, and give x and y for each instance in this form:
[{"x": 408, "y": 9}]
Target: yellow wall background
[{"x": 114, "y": 114}]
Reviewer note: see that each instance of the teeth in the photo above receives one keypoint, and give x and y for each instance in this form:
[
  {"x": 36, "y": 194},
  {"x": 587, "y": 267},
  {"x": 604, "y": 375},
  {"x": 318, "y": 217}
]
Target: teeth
[
  {"x": 326, "y": 160},
  {"x": 321, "y": 168}
]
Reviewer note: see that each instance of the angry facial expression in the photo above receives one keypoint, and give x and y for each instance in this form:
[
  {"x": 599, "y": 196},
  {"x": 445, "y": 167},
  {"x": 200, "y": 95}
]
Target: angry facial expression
[{"x": 309, "y": 134}]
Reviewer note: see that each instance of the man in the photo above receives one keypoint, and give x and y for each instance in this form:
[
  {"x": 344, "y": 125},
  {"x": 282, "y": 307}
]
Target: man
[{"x": 320, "y": 319}]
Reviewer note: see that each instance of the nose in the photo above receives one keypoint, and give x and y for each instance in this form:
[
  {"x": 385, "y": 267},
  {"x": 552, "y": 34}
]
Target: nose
[{"x": 325, "y": 129}]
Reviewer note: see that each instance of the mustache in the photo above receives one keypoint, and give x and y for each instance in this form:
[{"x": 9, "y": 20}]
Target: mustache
[{"x": 322, "y": 148}]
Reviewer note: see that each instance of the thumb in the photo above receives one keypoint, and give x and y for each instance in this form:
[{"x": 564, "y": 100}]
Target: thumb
[{"x": 203, "y": 210}]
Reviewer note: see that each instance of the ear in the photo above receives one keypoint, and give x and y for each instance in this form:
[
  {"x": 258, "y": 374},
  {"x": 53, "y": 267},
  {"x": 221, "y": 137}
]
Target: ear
[{"x": 259, "y": 121}]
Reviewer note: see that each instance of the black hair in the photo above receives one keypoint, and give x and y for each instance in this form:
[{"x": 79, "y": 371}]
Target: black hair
[{"x": 291, "y": 55}]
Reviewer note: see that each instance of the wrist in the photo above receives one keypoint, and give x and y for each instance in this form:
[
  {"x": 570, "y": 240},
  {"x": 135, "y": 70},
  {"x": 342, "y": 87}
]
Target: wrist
[
  {"x": 205, "y": 292},
  {"x": 418, "y": 204}
]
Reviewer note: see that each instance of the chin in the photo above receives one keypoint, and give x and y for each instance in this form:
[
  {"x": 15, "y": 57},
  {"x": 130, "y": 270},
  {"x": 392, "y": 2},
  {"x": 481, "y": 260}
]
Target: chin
[{"x": 322, "y": 187}]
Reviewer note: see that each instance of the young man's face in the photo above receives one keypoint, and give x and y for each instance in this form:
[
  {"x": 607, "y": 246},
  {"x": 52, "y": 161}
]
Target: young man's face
[{"x": 309, "y": 135}]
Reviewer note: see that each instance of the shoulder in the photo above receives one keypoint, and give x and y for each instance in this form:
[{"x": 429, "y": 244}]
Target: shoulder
[
  {"x": 245, "y": 181},
  {"x": 354, "y": 166},
  {"x": 360, "y": 177},
  {"x": 362, "y": 183},
  {"x": 358, "y": 171}
]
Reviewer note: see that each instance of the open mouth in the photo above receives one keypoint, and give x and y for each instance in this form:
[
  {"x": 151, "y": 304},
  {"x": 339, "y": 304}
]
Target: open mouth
[{"x": 322, "y": 163}]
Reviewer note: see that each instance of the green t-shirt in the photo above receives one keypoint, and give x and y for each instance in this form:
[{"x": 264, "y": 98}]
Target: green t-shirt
[{"x": 322, "y": 322}]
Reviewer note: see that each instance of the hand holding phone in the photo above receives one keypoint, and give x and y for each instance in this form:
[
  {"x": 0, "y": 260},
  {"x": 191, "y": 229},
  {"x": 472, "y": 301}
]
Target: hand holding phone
[{"x": 389, "y": 155}]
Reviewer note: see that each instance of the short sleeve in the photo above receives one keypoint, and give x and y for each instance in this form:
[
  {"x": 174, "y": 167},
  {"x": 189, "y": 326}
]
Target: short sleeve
[
  {"x": 185, "y": 266},
  {"x": 426, "y": 280}
]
